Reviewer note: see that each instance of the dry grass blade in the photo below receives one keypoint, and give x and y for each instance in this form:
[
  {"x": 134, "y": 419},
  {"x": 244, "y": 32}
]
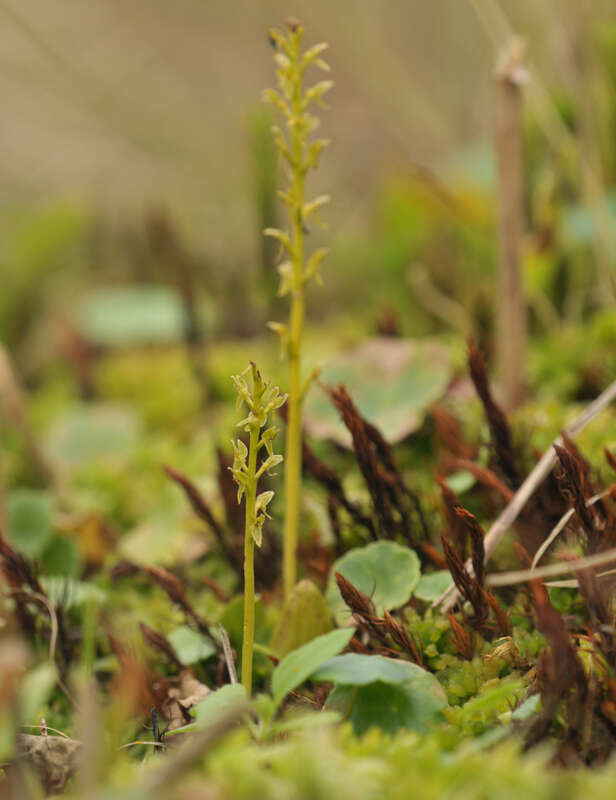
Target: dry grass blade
[
  {"x": 200, "y": 507},
  {"x": 561, "y": 568},
  {"x": 483, "y": 476},
  {"x": 228, "y": 654},
  {"x": 160, "y": 643},
  {"x": 476, "y": 536},
  {"x": 326, "y": 476}
]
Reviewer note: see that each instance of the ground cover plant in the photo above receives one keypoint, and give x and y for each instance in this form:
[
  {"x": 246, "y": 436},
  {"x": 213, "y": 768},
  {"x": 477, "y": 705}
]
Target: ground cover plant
[{"x": 418, "y": 599}]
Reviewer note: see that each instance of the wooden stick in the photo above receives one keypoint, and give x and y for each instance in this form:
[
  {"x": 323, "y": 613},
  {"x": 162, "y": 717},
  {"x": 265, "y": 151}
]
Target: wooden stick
[
  {"x": 228, "y": 653},
  {"x": 523, "y": 575},
  {"x": 541, "y": 470},
  {"x": 511, "y": 340}
]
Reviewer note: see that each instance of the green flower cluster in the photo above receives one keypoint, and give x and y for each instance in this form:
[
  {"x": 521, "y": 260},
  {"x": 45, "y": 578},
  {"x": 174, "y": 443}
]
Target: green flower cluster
[{"x": 262, "y": 400}]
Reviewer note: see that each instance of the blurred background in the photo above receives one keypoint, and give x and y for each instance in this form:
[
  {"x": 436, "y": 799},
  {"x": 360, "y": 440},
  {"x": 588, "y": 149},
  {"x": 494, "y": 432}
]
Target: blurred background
[
  {"x": 118, "y": 115},
  {"x": 137, "y": 173}
]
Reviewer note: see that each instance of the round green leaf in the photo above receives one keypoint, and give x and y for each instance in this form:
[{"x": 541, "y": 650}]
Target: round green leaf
[
  {"x": 392, "y": 381},
  {"x": 431, "y": 586},
  {"x": 387, "y": 706},
  {"x": 386, "y": 571},
  {"x": 460, "y": 481},
  {"x": 382, "y": 692},
  {"x": 29, "y": 513}
]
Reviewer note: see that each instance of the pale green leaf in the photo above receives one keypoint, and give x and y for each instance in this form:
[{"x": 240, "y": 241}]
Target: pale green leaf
[{"x": 297, "y": 666}]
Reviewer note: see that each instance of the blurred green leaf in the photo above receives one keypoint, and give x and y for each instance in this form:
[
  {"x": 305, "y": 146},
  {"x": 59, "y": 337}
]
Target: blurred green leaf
[
  {"x": 68, "y": 592},
  {"x": 30, "y": 524},
  {"x": 61, "y": 557},
  {"x": 36, "y": 689},
  {"x": 218, "y": 702},
  {"x": 305, "y": 615},
  {"x": 99, "y": 433},
  {"x": 393, "y": 382},
  {"x": 190, "y": 646},
  {"x": 128, "y": 316}
]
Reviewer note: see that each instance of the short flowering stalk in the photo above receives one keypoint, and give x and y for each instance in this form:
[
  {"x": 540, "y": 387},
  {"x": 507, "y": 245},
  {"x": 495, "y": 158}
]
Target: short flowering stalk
[
  {"x": 262, "y": 399},
  {"x": 299, "y": 155}
]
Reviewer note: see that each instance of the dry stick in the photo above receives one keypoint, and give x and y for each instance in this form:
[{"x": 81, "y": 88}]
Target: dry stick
[
  {"x": 522, "y": 575},
  {"x": 511, "y": 342},
  {"x": 541, "y": 470},
  {"x": 228, "y": 653},
  {"x": 499, "y": 30}
]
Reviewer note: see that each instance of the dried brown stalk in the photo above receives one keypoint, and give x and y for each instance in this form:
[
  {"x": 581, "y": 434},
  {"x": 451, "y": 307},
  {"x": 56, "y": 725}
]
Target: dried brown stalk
[
  {"x": 448, "y": 431},
  {"x": 326, "y": 476},
  {"x": 366, "y": 457},
  {"x": 541, "y": 470},
  {"x": 500, "y": 434},
  {"x": 463, "y": 639},
  {"x": 456, "y": 528},
  {"x": 575, "y": 486},
  {"x": 161, "y": 643},
  {"x": 172, "y": 585},
  {"x": 405, "y": 640},
  {"x": 394, "y": 502},
  {"x": 483, "y": 476},
  {"x": 468, "y": 586},
  {"x": 381, "y": 628},
  {"x": 202, "y": 510},
  {"x": 511, "y": 340}
]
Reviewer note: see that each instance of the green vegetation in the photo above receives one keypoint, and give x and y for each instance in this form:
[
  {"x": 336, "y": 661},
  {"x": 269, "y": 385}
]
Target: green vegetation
[{"x": 142, "y": 561}]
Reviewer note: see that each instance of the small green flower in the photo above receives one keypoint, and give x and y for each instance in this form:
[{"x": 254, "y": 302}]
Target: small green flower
[{"x": 262, "y": 400}]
